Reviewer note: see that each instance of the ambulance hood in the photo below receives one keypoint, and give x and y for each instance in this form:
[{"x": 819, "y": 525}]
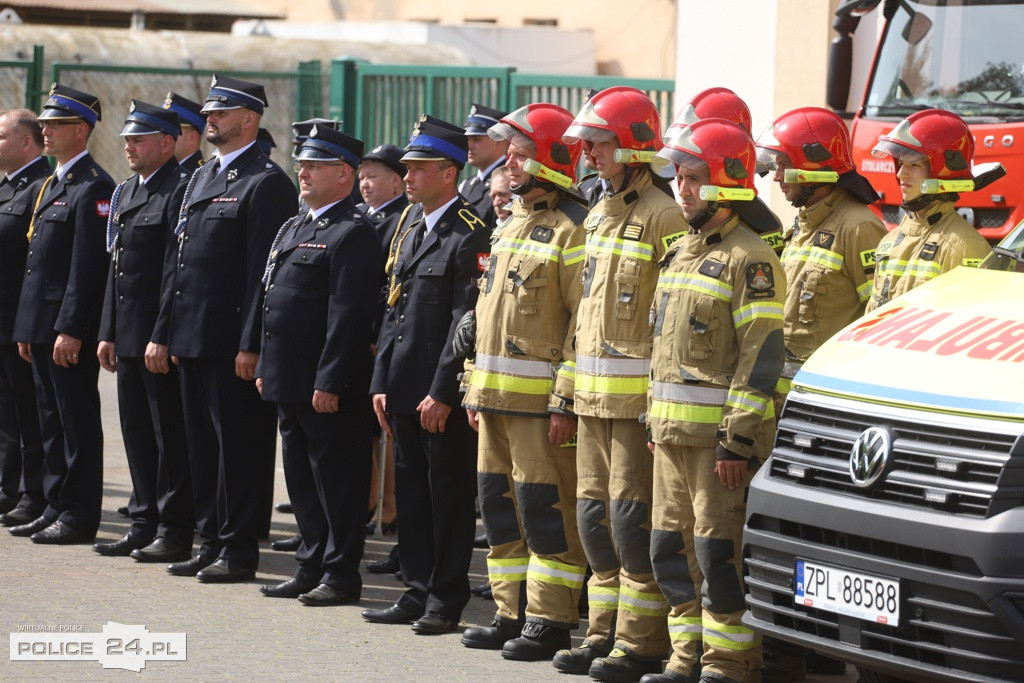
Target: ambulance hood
[{"x": 953, "y": 345}]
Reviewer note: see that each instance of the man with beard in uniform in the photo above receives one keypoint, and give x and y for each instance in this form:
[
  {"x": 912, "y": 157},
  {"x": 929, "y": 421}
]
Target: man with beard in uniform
[
  {"x": 432, "y": 284},
  {"x": 718, "y": 351},
  {"x": 231, "y": 212},
  {"x": 21, "y": 449},
  {"x": 58, "y": 319},
  {"x": 140, "y": 238},
  {"x": 193, "y": 123},
  {"x": 321, "y": 282},
  {"x": 485, "y": 155}
]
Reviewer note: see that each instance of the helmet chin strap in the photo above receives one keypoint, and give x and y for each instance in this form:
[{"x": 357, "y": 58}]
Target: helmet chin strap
[
  {"x": 805, "y": 194},
  {"x": 701, "y": 219},
  {"x": 920, "y": 203},
  {"x": 525, "y": 187}
]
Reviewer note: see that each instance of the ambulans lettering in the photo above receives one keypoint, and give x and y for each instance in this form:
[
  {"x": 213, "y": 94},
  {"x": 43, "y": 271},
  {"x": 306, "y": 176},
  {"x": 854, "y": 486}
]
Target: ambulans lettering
[{"x": 940, "y": 332}]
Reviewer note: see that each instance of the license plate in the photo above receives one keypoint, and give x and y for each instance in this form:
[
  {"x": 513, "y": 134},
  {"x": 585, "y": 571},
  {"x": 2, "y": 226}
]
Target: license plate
[{"x": 855, "y": 594}]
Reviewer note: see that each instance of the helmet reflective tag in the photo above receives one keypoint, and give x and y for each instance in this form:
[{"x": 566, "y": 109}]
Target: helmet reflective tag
[
  {"x": 535, "y": 168},
  {"x": 633, "y": 156},
  {"x": 713, "y": 193},
  {"x": 936, "y": 186},
  {"x": 799, "y": 175}
]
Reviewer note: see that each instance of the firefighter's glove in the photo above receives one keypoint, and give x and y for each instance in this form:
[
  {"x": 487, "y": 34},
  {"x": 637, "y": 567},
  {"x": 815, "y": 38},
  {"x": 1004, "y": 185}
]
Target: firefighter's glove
[{"x": 464, "y": 341}]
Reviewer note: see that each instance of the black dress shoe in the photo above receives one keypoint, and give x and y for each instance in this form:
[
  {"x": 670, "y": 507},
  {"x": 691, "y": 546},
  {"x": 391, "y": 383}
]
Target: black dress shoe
[
  {"x": 434, "y": 623},
  {"x": 161, "y": 550},
  {"x": 492, "y": 637},
  {"x": 123, "y": 510},
  {"x": 292, "y": 588},
  {"x": 324, "y": 595},
  {"x": 223, "y": 571},
  {"x": 190, "y": 567},
  {"x": 390, "y": 615},
  {"x": 479, "y": 590},
  {"x": 670, "y": 676},
  {"x": 60, "y": 533},
  {"x": 17, "y": 516},
  {"x": 7, "y": 504},
  {"x": 284, "y": 507},
  {"x": 29, "y": 528},
  {"x": 121, "y": 548},
  {"x": 388, "y": 565},
  {"x": 539, "y": 642},
  {"x": 481, "y": 541},
  {"x": 287, "y": 545}
]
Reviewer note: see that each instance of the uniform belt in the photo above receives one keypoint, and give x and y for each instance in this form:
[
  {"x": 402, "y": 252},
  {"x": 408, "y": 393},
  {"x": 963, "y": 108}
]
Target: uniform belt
[
  {"x": 514, "y": 366},
  {"x": 669, "y": 391},
  {"x": 622, "y": 367}
]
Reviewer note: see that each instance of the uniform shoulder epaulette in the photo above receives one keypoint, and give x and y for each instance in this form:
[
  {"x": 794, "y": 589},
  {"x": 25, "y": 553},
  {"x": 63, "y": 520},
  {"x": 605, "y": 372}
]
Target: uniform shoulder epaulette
[{"x": 573, "y": 209}]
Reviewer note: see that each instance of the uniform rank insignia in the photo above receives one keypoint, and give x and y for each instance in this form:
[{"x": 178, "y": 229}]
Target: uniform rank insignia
[
  {"x": 103, "y": 208},
  {"x": 632, "y": 231},
  {"x": 713, "y": 269},
  {"x": 929, "y": 250},
  {"x": 824, "y": 240},
  {"x": 760, "y": 282},
  {"x": 233, "y": 173},
  {"x": 542, "y": 234}
]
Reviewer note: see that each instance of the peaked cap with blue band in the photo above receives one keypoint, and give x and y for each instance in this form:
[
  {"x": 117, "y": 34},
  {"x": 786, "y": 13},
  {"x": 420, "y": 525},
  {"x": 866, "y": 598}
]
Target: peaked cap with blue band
[
  {"x": 232, "y": 93},
  {"x": 189, "y": 113},
  {"x": 436, "y": 140},
  {"x": 481, "y": 118},
  {"x": 300, "y": 131},
  {"x": 326, "y": 144},
  {"x": 149, "y": 119},
  {"x": 67, "y": 103}
]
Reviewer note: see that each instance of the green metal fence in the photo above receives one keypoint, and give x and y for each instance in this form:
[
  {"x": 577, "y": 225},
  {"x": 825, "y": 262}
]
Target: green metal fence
[
  {"x": 290, "y": 94},
  {"x": 380, "y": 103},
  {"x": 19, "y": 81}
]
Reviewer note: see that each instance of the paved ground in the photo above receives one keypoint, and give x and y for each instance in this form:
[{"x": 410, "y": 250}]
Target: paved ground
[{"x": 233, "y": 632}]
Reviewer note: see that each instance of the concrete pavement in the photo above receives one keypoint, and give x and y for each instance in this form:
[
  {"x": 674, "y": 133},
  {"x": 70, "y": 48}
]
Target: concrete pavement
[{"x": 233, "y": 632}]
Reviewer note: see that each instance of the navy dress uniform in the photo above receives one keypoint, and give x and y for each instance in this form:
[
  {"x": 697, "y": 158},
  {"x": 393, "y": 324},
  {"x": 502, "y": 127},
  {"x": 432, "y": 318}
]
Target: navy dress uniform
[
  {"x": 21, "y": 449},
  {"x": 477, "y": 189},
  {"x": 227, "y": 222},
  {"x": 189, "y": 114},
  {"x": 432, "y": 285},
  {"x": 144, "y": 255},
  {"x": 321, "y": 284},
  {"x": 62, "y": 293}
]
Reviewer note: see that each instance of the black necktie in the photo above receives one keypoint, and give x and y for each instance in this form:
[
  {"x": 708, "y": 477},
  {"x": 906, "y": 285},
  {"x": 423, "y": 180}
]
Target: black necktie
[{"x": 417, "y": 238}]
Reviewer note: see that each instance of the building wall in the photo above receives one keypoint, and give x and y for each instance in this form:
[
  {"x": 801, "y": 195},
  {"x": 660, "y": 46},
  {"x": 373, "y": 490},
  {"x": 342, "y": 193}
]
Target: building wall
[{"x": 635, "y": 39}]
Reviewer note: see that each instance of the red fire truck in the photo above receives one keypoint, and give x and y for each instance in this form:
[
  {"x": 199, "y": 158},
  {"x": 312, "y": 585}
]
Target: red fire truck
[{"x": 965, "y": 56}]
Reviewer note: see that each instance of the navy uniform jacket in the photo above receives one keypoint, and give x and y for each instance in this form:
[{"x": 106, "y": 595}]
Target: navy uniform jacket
[
  {"x": 191, "y": 163},
  {"x": 319, "y": 306},
  {"x": 477, "y": 192},
  {"x": 438, "y": 285},
  {"x": 17, "y": 197},
  {"x": 146, "y": 257},
  {"x": 386, "y": 220},
  {"x": 217, "y": 289},
  {"x": 67, "y": 259}
]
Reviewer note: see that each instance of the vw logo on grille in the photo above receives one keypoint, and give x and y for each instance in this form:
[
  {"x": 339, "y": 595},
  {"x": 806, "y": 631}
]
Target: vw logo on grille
[{"x": 870, "y": 455}]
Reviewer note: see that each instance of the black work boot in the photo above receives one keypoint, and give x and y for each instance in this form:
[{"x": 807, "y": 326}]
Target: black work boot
[
  {"x": 622, "y": 667},
  {"x": 578, "y": 659},
  {"x": 491, "y": 637},
  {"x": 671, "y": 676},
  {"x": 537, "y": 643}
]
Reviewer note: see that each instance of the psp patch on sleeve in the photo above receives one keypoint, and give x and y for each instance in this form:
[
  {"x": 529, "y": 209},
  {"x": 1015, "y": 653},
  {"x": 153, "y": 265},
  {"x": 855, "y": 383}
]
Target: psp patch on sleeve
[
  {"x": 668, "y": 240},
  {"x": 760, "y": 281}
]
